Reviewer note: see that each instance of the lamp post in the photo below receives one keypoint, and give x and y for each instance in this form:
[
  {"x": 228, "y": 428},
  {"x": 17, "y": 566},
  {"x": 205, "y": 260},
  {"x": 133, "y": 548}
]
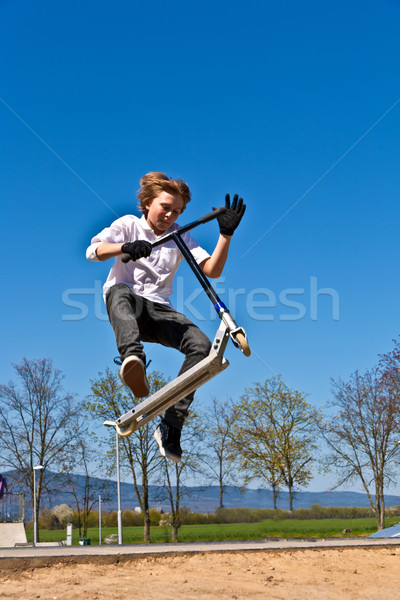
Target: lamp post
[
  {"x": 113, "y": 424},
  {"x": 35, "y": 527}
]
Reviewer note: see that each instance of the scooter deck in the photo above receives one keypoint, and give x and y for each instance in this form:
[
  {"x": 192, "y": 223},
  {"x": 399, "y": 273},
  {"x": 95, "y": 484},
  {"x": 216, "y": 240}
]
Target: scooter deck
[{"x": 174, "y": 391}]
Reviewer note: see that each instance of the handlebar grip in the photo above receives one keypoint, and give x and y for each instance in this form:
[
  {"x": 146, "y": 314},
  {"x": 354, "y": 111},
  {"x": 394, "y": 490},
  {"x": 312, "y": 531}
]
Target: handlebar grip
[{"x": 213, "y": 215}]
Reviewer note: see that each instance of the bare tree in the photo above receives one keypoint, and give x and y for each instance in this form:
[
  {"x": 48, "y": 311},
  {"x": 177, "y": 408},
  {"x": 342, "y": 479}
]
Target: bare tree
[
  {"x": 80, "y": 467},
  {"x": 363, "y": 434},
  {"x": 273, "y": 435},
  {"x": 139, "y": 455},
  {"x": 35, "y": 423},
  {"x": 191, "y": 465},
  {"x": 389, "y": 369},
  {"x": 219, "y": 458}
]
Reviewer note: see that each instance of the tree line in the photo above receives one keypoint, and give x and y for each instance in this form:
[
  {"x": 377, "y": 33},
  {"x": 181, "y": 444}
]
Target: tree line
[
  {"x": 59, "y": 516},
  {"x": 270, "y": 435}
]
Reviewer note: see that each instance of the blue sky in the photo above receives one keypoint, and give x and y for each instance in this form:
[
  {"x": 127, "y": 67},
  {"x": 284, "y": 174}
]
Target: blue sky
[{"x": 295, "y": 106}]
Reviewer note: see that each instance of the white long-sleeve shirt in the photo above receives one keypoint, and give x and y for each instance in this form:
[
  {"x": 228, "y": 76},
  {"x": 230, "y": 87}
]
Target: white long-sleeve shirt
[{"x": 150, "y": 277}]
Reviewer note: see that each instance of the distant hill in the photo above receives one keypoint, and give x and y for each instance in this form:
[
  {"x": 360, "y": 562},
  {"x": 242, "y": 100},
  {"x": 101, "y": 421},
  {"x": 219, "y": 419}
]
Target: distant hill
[{"x": 207, "y": 500}]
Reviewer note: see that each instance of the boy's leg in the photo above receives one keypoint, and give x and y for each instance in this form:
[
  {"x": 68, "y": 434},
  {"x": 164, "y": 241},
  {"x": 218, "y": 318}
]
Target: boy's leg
[
  {"x": 196, "y": 346},
  {"x": 174, "y": 330},
  {"x": 126, "y": 311}
]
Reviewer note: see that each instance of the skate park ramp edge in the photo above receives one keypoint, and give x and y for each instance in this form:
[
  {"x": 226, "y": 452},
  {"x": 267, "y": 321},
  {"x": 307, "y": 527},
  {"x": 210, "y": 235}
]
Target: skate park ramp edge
[{"x": 12, "y": 534}]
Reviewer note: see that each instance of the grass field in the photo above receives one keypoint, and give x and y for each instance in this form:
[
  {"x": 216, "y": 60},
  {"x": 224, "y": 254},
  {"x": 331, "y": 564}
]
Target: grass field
[{"x": 290, "y": 528}]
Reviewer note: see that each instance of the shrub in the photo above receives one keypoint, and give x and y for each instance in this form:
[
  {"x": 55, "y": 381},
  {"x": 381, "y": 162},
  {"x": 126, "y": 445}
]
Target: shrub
[
  {"x": 93, "y": 518},
  {"x": 393, "y": 511},
  {"x": 63, "y": 513},
  {"x": 47, "y": 520},
  {"x": 110, "y": 519},
  {"x": 189, "y": 518},
  {"x": 332, "y": 512},
  {"x": 165, "y": 520},
  {"x": 247, "y": 515},
  {"x": 131, "y": 518},
  {"x": 155, "y": 516}
]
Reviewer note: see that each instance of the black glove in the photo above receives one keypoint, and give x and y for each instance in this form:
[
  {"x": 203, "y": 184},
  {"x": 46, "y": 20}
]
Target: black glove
[
  {"x": 230, "y": 219},
  {"x": 137, "y": 249}
]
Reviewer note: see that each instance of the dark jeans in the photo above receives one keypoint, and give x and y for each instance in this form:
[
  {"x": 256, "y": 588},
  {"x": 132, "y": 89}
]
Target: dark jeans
[{"x": 136, "y": 319}]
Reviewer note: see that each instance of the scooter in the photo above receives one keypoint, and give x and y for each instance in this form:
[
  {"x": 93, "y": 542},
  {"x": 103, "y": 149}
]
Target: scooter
[{"x": 206, "y": 369}]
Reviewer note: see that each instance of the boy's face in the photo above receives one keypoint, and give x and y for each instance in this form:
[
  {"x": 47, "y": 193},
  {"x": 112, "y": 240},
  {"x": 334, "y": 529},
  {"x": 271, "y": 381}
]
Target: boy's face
[{"x": 163, "y": 211}]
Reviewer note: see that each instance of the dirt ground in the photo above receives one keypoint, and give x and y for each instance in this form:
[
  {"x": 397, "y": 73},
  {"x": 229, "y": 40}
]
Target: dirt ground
[{"x": 323, "y": 574}]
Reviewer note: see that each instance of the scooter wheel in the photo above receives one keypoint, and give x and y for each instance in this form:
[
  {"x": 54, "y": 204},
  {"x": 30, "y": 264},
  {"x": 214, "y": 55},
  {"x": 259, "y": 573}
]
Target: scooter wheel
[
  {"x": 243, "y": 344},
  {"x": 126, "y": 431}
]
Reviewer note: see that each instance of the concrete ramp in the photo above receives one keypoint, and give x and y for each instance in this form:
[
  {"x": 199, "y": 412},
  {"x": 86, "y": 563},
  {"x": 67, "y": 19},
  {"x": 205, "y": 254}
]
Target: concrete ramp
[
  {"x": 12, "y": 534},
  {"x": 389, "y": 532}
]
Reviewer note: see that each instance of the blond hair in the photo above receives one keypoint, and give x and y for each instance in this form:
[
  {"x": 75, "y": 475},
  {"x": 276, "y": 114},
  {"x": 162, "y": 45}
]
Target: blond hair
[{"x": 153, "y": 183}]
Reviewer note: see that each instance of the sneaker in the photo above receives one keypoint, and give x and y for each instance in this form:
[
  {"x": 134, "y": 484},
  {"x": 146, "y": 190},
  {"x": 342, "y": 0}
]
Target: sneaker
[
  {"x": 133, "y": 374},
  {"x": 168, "y": 440}
]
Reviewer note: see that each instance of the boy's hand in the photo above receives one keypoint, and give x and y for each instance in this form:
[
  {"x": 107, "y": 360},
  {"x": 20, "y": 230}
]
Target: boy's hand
[
  {"x": 231, "y": 218},
  {"x": 137, "y": 249}
]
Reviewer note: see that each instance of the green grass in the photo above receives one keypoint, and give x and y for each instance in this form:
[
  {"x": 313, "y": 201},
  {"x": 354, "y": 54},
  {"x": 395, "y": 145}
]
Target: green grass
[{"x": 290, "y": 528}]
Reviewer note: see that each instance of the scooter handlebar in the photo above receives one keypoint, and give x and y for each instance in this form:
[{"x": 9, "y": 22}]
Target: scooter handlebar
[
  {"x": 165, "y": 238},
  {"x": 212, "y": 215}
]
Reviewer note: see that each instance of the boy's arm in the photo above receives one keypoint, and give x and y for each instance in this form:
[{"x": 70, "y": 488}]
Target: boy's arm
[
  {"x": 110, "y": 242},
  {"x": 107, "y": 243},
  {"x": 214, "y": 265},
  {"x": 108, "y": 250},
  {"x": 136, "y": 250},
  {"x": 228, "y": 221}
]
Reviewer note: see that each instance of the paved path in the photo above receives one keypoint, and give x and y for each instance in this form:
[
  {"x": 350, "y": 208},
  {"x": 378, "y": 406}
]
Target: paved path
[{"x": 140, "y": 550}]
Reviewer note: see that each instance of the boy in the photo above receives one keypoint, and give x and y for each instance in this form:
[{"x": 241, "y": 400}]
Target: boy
[{"x": 137, "y": 293}]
